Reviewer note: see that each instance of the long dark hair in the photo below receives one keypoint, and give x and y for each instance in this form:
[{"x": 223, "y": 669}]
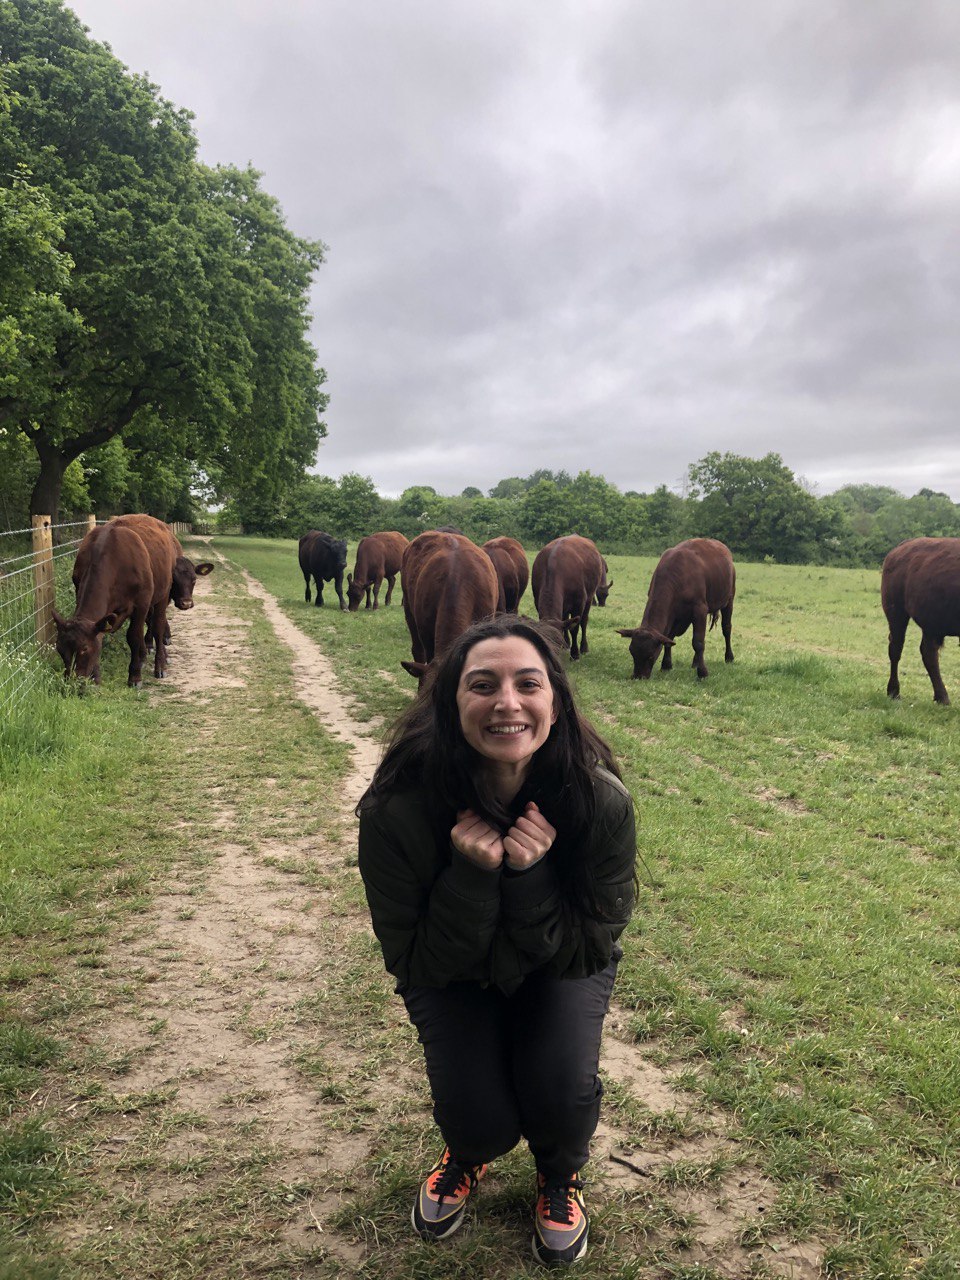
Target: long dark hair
[{"x": 426, "y": 748}]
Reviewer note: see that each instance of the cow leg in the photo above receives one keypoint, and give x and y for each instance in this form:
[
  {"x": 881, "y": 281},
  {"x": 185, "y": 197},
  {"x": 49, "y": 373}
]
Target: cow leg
[
  {"x": 375, "y": 588},
  {"x": 138, "y": 649},
  {"x": 699, "y": 644},
  {"x": 391, "y": 579},
  {"x": 726, "y": 621},
  {"x": 898, "y": 633},
  {"x": 584, "y": 619},
  {"x": 306, "y": 594},
  {"x": 666, "y": 663},
  {"x": 319, "y": 593},
  {"x": 159, "y": 637},
  {"x": 930, "y": 647},
  {"x": 338, "y": 587},
  {"x": 148, "y": 635},
  {"x": 371, "y": 597}
]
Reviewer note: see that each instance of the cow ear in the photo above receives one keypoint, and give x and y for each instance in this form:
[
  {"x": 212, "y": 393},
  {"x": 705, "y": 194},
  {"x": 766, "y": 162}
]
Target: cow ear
[
  {"x": 609, "y": 584},
  {"x": 108, "y": 623},
  {"x": 416, "y": 669},
  {"x": 627, "y": 632},
  {"x": 59, "y": 621},
  {"x": 350, "y": 579},
  {"x": 203, "y": 569}
]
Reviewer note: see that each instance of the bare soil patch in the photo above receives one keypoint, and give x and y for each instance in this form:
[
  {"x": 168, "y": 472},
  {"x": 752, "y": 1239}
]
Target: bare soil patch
[{"x": 222, "y": 969}]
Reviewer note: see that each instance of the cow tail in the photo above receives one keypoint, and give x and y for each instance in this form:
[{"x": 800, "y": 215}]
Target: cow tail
[{"x": 713, "y": 618}]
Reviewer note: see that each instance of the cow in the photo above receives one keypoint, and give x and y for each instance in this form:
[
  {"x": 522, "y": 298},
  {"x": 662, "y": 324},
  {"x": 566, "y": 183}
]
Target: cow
[
  {"x": 693, "y": 581},
  {"x": 920, "y": 579},
  {"x": 448, "y": 583},
  {"x": 324, "y": 558},
  {"x": 378, "y": 557},
  {"x": 513, "y": 572},
  {"x": 185, "y": 572},
  {"x": 114, "y": 581},
  {"x": 565, "y": 578},
  {"x": 603, "y": 590}
]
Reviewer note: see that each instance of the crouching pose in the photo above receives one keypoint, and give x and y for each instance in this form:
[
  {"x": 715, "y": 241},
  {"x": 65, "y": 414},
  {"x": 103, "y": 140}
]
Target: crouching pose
[{"x": 497, "y": 849}]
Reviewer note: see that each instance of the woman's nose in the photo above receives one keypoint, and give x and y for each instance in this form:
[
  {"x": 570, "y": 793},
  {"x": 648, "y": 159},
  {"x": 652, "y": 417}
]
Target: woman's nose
[{"x": 507, "y": 696}]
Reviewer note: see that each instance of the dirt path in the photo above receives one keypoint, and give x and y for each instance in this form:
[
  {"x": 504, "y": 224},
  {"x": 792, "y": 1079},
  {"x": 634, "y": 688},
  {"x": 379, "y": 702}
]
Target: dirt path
[{"x": 229, "y": 957}]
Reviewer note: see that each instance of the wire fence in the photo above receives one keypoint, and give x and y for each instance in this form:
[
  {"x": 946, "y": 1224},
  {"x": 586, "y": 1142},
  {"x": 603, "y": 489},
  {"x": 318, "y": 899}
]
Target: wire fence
[{"x": 34, "y": 573}]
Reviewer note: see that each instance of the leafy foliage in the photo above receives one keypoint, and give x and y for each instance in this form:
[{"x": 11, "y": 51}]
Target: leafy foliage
[{"x": 145, "y": 296}]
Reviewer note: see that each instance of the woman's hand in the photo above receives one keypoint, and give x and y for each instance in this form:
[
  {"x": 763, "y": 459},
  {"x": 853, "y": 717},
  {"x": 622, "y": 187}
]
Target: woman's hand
[
  {"x": 477, "y": 840},
  {"x": 528, "y": 839}
]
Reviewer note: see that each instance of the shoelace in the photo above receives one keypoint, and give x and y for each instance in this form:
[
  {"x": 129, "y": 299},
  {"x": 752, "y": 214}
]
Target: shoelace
[
  {"x": 558, "y": 1200},
  {"x": 449, "y": 1180}
]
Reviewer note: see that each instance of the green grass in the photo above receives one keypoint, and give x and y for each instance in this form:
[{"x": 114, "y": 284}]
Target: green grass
[
  {"x": 798, "y": 832},
  {"x": 793, "y": 957}
]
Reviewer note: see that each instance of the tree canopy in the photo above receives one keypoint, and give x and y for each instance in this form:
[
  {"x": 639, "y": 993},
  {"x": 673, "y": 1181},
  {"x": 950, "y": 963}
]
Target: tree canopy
[{"x": 145, "y": 296}]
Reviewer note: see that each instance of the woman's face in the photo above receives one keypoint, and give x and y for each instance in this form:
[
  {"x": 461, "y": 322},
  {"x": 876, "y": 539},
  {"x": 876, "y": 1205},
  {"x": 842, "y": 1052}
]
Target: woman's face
[{"x": 505, "y": 701}]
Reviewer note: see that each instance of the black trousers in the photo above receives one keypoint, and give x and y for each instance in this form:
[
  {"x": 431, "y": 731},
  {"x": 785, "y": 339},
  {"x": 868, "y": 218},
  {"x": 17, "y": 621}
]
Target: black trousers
[{"x": 524, "y": 1065}]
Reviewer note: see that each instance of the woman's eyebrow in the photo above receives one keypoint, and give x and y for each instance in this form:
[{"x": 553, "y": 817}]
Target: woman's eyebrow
[{"x": 487, "y": 671}]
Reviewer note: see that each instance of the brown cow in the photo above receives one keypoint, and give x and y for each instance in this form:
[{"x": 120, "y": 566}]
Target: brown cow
[
  {"x": 185, "y": 572},
  {"x": 693, "y": 581},
  {"x": 448, "y": 583},
  {"x": 513, "y": 572},
  {"x": 114, "y": 581},
  {"x": 378, "y": 557},
  {"x": 603, "y": 590},
  {"x": 566, "y": 574},
  {"x": 921, "y": 580}
]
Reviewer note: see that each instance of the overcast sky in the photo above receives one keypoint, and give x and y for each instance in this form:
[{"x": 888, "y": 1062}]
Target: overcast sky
[{"x": 610, "y": 235}]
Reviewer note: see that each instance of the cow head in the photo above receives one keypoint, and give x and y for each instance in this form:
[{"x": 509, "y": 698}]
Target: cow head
[
  {"x": 603, "y": 590},
  {"x": 185, "y": 576},
  {"x": 417, "y": 669},
  {"x": 79, "y": 644},
  {"x": 355, "y": 592},
  {"x": 645, "y": 646}
]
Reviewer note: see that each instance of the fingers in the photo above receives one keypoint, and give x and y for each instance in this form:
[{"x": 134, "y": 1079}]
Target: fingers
[
  {"x": 477, "y": 840},
  {"x": 529, "y": 839}
]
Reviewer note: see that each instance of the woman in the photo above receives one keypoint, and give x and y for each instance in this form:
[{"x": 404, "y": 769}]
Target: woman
[{"x": 497, "y": 850}]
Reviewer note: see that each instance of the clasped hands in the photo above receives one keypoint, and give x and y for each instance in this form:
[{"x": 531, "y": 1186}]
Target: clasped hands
[{"x": 524, "y": 844}]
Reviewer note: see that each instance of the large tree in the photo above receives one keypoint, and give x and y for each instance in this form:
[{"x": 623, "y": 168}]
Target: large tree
[
  {"x": 757, "y": 507},
  {"x": 169, "y": 299}
]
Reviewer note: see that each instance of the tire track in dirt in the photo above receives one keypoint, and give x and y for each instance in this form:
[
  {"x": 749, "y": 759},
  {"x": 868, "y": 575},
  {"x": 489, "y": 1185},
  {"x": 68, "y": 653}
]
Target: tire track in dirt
[{"x": 209, "y": 956}]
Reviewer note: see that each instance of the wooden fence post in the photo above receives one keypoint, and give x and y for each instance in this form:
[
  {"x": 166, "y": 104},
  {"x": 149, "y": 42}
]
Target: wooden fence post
[
  {"x": 44, "y": 588},
  {"x": 91, "y": 522}
]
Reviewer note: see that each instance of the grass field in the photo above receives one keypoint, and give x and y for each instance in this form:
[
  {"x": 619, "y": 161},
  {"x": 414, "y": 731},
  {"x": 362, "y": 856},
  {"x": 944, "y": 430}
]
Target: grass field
[
  {"x": 795, "y": 946},
  {"x": 797, "y": 931}
]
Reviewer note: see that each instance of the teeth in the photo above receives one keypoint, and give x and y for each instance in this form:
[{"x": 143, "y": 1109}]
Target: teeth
[{"x": 507, "y": 729}]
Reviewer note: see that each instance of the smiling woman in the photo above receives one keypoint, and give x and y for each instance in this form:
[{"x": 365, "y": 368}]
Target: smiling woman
[{"x": 497, "y": 849}]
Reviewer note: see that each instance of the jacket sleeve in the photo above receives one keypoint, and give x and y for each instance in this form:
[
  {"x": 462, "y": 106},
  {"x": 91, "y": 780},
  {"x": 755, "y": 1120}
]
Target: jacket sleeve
[
  {"x": 430, "y": 933},
  {"x": 539, "y": 928}
]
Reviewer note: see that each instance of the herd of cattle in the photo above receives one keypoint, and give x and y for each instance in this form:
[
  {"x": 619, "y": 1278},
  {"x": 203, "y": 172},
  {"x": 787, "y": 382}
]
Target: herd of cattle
[
  {"x": 449, "y": 582},
  {"x": 133, "y": 567}
]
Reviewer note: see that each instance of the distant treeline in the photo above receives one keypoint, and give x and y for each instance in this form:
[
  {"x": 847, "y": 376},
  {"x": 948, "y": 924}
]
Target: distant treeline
[{"x": 756, "y": 506}]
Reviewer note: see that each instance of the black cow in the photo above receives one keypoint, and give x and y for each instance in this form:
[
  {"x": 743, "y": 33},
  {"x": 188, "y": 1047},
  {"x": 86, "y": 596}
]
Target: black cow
[{"x": 325, "y": 559}]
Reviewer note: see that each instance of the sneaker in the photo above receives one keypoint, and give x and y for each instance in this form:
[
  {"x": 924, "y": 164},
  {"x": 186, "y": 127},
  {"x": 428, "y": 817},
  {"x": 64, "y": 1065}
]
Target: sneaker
[
  {"x": 439, "y": 1207},
  {"x": 560, "y": 1221}
]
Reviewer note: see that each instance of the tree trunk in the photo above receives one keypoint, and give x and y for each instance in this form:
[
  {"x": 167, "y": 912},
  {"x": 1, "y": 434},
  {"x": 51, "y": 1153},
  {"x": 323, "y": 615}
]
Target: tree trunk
[{"x": 45, "y": 499}]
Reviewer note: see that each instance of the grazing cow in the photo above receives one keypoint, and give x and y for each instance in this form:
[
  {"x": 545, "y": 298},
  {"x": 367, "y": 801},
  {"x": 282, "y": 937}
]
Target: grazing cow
[
  {"x": 603, "y": 590},
  {"x": 113, "y": 578},
  {"x": 185, "y": 572},
  {"x": 325, "y": 558},
  {"x": 566, "y": 574},
  {"x": 448, "y": 583},
  {"x": 378, "y": 557},
  {"x": 921, "y": 580},
  {"x": 693, "y": 581},
  {"x": 513, "y": 572}
]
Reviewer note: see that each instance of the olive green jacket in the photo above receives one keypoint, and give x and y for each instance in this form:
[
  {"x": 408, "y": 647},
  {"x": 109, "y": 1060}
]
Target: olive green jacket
[{"x": 440, "y": 918}]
